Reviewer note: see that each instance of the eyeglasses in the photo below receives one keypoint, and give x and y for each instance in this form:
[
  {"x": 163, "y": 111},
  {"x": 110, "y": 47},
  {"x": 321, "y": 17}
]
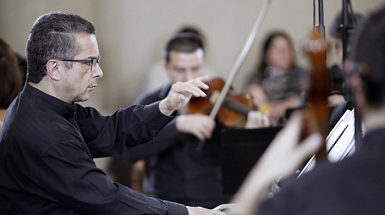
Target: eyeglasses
[{"x": 92, "y": 61}]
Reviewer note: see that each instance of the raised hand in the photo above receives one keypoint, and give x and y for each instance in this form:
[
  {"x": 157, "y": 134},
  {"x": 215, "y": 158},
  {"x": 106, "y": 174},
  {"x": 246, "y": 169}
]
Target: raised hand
[{"x": 181, "y": 93}]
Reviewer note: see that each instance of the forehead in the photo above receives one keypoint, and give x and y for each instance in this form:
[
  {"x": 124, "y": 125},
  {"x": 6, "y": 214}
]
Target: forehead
[
  {"x": 88, "y": 45},
  {"x": 196, "y": 56},
  {"x": 280, "y": 40}
]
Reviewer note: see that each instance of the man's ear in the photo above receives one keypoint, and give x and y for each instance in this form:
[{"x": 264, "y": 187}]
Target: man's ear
[
  {"x": 52, "y": 67},
  {"x": 164, "y": 64},
  {"x": 166, "y": 68}
]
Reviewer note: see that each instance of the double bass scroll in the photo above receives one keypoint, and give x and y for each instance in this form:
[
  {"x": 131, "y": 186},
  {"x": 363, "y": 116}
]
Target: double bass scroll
[{"x": 318, "y": 113}]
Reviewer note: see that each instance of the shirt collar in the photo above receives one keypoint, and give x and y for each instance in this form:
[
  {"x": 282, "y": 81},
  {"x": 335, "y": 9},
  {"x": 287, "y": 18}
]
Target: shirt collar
[{"x": 49, "y": 102}]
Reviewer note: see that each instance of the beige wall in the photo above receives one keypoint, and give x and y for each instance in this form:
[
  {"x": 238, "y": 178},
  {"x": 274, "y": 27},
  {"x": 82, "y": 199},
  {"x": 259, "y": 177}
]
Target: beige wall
[{"x": 132, "y": 33}]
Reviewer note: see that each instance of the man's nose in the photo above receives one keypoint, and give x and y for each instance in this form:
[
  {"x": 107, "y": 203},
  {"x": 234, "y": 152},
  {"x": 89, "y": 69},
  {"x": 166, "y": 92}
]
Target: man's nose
[{"x": 98, "y": 73}]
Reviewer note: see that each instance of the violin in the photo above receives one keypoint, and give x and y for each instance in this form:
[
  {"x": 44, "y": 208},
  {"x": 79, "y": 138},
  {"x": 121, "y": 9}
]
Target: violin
[
  {"x": 223, "y": 94},
  {"x": 234, "y": 109}
]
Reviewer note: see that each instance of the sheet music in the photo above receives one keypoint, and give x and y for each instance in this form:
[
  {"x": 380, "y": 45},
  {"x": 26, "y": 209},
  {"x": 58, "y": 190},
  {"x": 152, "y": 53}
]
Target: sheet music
[{"x": 340, "y": 142}]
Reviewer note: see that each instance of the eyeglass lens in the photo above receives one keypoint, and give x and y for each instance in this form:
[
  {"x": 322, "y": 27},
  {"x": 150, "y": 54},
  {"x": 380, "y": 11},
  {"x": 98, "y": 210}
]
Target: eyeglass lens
[{"x": 94, "y": 62}]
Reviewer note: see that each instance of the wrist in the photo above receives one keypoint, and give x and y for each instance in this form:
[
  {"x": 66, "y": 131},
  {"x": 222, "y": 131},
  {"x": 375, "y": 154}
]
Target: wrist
[{"x": 164, "y": 109}]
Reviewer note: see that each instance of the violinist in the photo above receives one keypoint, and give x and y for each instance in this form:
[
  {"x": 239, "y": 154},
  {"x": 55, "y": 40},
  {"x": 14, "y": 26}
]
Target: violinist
[
  {"x": 278, "y": 82},
  {"x": 174, "y": 169}
]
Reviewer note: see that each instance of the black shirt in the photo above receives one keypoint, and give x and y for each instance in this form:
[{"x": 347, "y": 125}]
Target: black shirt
[{"x": 47, "y": 148}]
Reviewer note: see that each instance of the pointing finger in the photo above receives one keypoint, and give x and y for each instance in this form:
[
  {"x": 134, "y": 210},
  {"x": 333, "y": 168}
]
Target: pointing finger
[{"x": 190, "y": 88}]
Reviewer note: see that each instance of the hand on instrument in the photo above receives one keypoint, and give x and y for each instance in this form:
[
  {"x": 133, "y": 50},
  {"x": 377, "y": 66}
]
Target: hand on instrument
[
  {"x": 181, "y": 93},
  {"x": 199, "y": 125},
  {"x": 203, "y": 211},
  {"x": 256, "y": 119}
]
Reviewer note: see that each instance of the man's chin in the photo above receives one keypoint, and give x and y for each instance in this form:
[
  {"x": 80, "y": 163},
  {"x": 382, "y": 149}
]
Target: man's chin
[{"x": 83, "y": 98}]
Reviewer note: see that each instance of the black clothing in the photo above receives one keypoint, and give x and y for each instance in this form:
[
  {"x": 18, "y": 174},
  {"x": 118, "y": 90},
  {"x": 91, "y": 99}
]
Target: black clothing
[
  {"x": 353, "y": 186},
  {"x": 175, "y": 171},
  {"x": 337, "y": 78},
  {"x": 47, "y": 148}
]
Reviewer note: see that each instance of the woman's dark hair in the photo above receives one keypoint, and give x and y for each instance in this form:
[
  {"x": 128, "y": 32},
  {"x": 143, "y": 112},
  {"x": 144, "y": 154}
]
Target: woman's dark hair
[
  {"x": 259, "y": 73},
  {"x": 10, "y": 75}
]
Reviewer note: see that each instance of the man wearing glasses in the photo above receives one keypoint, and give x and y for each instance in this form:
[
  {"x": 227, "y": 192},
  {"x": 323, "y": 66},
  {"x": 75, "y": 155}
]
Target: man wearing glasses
[{"x": 48, "y": 142}]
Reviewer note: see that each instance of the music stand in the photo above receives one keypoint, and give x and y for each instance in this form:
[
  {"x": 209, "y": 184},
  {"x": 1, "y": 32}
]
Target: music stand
[{"x": 240, "y": 151}]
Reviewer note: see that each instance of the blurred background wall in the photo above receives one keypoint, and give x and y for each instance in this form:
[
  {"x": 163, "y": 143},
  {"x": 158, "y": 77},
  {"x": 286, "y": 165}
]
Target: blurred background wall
[{"x": 132, "y": 33}]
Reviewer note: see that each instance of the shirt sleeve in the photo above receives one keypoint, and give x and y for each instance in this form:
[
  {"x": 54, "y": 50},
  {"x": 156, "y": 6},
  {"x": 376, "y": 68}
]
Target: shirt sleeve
[
  {"x": 73, "y": 180},
  {"x": 166, "y": 138},
  {"x": 115, "y": 134}
]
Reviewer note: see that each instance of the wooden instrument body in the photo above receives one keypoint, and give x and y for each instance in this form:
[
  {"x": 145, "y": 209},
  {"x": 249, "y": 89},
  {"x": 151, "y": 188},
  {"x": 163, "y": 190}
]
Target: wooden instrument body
[{"x": 234, "y": 109}]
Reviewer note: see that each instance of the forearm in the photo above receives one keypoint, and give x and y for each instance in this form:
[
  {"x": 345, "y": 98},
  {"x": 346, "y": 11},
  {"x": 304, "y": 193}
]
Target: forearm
[
  {"x": 254, "y": 190},
  {"x": 115, "y": 134},
  {"x": 87, "y": 190}
]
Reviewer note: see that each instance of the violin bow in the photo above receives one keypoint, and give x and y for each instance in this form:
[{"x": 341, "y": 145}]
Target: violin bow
[{"x": 238, "y": 64}]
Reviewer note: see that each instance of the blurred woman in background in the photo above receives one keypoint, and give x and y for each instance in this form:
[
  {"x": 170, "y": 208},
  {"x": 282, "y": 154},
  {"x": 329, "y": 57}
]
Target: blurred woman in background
[{"x": 278, "y": 84}]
